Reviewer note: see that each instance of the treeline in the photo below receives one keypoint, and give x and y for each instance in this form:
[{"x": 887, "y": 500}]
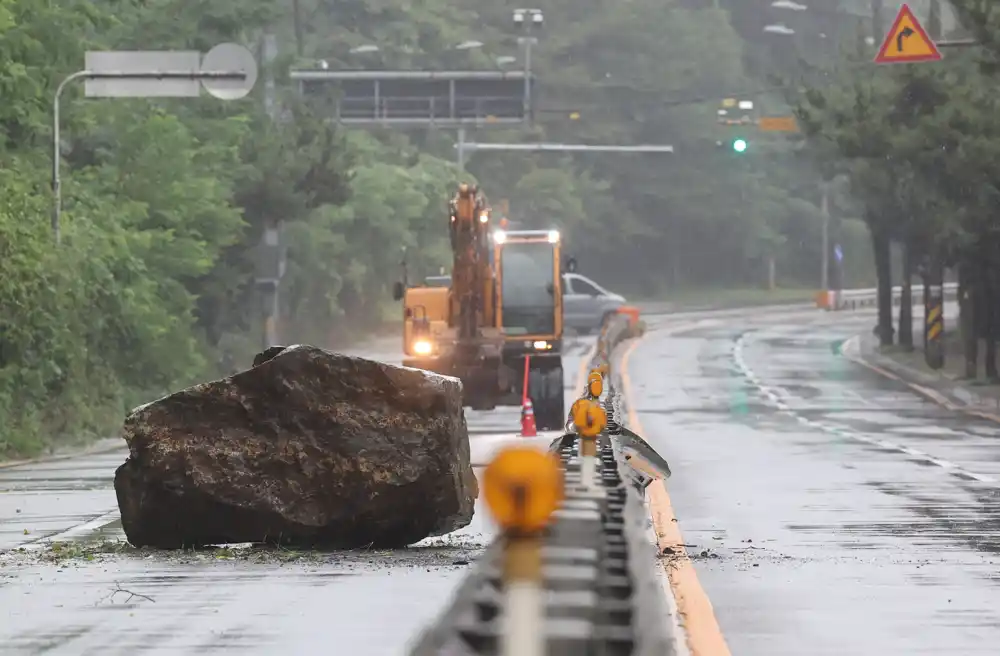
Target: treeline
[{"x": 918, "y": 145}]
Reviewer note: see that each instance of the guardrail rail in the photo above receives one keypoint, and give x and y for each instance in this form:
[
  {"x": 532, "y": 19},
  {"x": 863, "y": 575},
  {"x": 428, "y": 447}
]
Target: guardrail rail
[
  {"x": 602, "y": 596},
  {"x": 852, "y": 299}
]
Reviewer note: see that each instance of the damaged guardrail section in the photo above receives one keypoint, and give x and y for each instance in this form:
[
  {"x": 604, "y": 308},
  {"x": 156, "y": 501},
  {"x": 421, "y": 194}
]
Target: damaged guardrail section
[{"x": 586, "y": 583}]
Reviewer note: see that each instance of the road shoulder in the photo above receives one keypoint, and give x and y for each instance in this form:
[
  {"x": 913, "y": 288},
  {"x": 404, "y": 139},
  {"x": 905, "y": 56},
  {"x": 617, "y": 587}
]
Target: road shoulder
[
  {"x": 699, "y": 626},
  {"x": 106, "y": 445},
  {"x": 934, "y": 386}
]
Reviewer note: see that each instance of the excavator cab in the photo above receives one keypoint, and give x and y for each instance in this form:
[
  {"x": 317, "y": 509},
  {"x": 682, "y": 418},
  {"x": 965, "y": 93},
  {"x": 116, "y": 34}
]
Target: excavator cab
[{"x": 529, "y": 314}]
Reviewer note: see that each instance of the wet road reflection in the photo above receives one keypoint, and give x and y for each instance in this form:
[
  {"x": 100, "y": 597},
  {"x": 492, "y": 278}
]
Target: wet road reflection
[{"x": 827, "y": 504}]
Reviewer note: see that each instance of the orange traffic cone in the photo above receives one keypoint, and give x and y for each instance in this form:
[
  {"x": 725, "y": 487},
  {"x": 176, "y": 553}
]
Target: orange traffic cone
[{"x": 528, "y": 428}]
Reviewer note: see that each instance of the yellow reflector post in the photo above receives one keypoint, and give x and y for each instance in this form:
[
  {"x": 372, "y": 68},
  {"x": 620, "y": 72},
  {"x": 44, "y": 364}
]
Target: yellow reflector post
[
  {"x": 595, "y": 384},
  {"x": 589, "y": 418},
  {"x": 522, "y": 487}
]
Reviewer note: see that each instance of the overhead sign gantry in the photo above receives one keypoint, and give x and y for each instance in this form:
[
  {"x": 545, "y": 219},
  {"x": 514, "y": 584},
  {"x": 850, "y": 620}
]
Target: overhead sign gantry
[{"x": 422, "y": 98}]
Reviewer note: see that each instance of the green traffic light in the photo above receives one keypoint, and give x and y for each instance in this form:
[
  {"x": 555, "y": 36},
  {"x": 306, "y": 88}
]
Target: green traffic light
[{"x": 740, "y": 145}]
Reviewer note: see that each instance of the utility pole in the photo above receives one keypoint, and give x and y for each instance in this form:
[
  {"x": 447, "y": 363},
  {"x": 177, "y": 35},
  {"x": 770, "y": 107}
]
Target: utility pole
[
  {"x": 460, "y": 149},
  {"x": 878, "y": 21},
  {"x": 526, "y": 19},
  {"x": 934, "y": 306},
  {"x": 824, "y": 209},
  {"x": 934, "y": 21},
  {"x": 270, "y": 254}
]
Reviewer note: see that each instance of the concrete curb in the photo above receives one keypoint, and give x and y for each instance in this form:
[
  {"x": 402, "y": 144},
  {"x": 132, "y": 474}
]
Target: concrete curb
[
  {"x": 106, "y": 445},
  {"x": 938, "y": 388}
]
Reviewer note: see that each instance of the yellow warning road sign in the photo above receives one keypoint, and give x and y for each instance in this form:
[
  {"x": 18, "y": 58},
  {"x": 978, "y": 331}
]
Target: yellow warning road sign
[{"x": 906, "y": 41}]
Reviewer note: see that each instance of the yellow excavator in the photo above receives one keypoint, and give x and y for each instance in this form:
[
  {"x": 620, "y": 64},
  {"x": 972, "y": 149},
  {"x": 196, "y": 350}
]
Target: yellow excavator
[{"x": 502, "y": 305}]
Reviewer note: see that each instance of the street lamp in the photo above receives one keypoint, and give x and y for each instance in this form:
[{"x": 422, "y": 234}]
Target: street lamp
[
  {"x": 795, "y": 6},
  {"x": 537, "y": 17},
  {"x": 788, "y": 4},
  {"x": 779, "y": 29}
]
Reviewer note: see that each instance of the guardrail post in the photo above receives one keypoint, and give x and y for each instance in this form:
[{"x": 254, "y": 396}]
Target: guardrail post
[
  {"x": 589, "y": 420},
  {"x": 588, "y": 461},
  {"x": 523, "y": 487},
  {"x": 523, "y": 616}
]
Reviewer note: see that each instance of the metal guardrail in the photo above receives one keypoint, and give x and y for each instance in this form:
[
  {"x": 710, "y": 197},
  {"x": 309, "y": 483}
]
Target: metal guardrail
[
  {"x": 851, "y": 299},
  {"x": 602, "y": 597}
]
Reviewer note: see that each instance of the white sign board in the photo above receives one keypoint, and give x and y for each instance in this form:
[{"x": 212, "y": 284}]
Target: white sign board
[
  {"x": 229, "y": 58},
  {"x": 143, "y": 62}
]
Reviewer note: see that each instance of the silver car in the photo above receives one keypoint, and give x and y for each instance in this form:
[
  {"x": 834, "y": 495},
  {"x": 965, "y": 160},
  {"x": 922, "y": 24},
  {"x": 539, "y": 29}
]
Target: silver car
[{"x": 585, "y": 303}]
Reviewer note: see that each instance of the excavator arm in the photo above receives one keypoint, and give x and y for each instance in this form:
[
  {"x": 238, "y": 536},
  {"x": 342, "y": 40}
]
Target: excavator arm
[{"x": 470, "y": 297}]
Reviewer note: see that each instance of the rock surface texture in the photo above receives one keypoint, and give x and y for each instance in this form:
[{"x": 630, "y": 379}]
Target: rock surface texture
[{"x": 309, "y": 448}]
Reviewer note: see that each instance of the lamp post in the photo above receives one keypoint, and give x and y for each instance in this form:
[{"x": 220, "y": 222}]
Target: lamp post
[{"x": 526, "y": 20}]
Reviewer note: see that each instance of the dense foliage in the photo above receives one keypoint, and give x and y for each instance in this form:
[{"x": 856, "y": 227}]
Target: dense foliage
[
  {"x": 919, "y": 145},
  {"x": 655, "y": 72},
  {"x": 165, "y": 201}
]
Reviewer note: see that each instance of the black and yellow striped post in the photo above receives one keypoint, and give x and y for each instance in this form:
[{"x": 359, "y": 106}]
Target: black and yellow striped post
[{"x": 934, "y": 327}]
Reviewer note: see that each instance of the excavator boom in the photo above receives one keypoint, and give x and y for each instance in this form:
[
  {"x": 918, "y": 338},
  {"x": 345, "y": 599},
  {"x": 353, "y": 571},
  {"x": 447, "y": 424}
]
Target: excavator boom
[{"x": 470, "y": 306}]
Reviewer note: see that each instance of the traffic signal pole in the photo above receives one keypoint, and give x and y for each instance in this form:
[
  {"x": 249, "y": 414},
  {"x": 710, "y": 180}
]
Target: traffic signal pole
[{"x": 824, "y": 208}]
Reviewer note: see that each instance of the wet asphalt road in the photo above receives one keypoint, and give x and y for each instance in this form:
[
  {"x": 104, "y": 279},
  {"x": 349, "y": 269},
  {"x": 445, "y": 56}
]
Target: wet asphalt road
[
  {"x": 839, "y": 513},
  {"x": 829, "y": 510},
  {"x": 66, "y": 587}
]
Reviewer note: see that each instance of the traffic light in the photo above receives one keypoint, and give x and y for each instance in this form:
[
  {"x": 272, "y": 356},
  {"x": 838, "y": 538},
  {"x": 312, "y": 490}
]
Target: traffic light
[{"x": 739, "y": 145}]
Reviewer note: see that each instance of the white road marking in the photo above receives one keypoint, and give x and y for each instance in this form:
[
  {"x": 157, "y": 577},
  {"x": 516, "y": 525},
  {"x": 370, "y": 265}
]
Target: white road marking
[
  {"x": 774, "y": 395},
  {"x": 860, "y": 398},
  {"x": 76, "y": 531}
]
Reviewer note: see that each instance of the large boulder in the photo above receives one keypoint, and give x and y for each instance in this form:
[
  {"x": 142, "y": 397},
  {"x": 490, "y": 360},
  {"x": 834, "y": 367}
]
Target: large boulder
[{"x": 308, "y": 448}]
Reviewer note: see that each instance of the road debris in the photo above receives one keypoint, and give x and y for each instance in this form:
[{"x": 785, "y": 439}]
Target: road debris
[{"x": 309, "y": 448}]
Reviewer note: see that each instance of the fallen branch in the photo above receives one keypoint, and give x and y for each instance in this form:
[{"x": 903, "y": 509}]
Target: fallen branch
[{"x": 131, "y": 595}]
